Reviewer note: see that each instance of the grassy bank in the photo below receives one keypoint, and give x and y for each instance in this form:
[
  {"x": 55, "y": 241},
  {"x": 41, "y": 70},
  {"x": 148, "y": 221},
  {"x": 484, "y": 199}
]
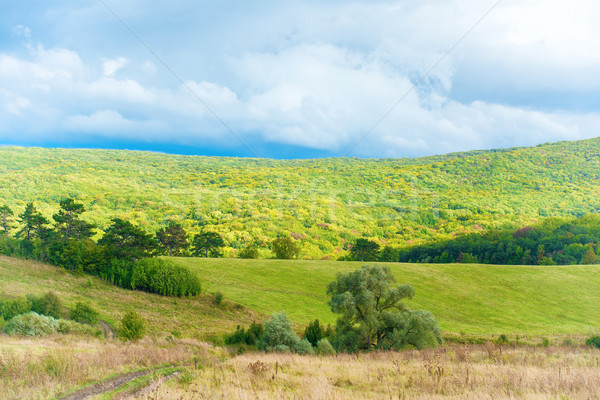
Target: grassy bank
[{"x": 468, "y": 298}]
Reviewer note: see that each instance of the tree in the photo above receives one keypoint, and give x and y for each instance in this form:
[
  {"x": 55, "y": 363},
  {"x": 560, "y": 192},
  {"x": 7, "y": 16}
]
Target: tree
[
  {"x": 278, "y": 334},
  {"x": 314, "y": 332},
  {"x": 285, "y": 248},
  {"x": 364, "y": 250},
  {"x": 373, "y": 315},
  {"x": 6, "y": 219},
  {"x": 126, "y": 241},
  {"x": 172, "y": 239},
  {"x": 67, "y": 223},
  {"x": 34, "y": 224},
  {"x": 132, "y": 327},
  {"x": 207, "y": 244}
]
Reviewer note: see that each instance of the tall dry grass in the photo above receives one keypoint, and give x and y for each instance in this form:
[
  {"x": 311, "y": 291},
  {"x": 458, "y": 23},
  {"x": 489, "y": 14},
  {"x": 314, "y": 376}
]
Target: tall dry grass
[
  {"x": 460, "y": 372},
  {"x": 43, "y": 368}
]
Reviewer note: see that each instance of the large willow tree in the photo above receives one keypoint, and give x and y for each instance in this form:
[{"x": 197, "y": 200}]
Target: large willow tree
[{"x": 373, "y": 314}]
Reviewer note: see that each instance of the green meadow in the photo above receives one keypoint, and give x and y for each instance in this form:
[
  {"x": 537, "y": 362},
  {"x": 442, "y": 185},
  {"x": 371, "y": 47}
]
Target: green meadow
[
  {"x": 465, "y": 298},
  {"x": 470, "y": 299}
]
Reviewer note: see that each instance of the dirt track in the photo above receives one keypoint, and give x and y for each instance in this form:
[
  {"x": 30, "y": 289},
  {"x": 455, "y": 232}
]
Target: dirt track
[{"x": 105, "y": 386}]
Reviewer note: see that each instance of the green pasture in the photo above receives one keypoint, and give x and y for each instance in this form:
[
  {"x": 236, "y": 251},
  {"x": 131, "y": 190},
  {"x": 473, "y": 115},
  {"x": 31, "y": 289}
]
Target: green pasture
[{"x": 466, "y": 298}]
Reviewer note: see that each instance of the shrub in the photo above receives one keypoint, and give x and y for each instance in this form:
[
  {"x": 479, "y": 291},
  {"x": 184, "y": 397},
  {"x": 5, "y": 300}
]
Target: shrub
[
  {"x": 14, "y": 307},
  {"x": 314, "y": 332},
  {"x": 281, "y": 348},
  {"x": 285, "y": 248},
  {"x": 250, "y": 251},
  {"x": 156, "y": 275},
  {"x": 249, "y": 337},
  {"x": 278, "y": 332},
  {"x": 31, "y": 324},
  {"x": 133, "y": 326},
  {"x": 324, "y": 347},
  {"x": 84, "y": 313},
  {"x": 593, "y": 341},
  {"x": 48, "y": 304},
  {"x": 304, "y": 347},
  {"x": 218, "y": 298},
  {"x": 66, "y": 326}
]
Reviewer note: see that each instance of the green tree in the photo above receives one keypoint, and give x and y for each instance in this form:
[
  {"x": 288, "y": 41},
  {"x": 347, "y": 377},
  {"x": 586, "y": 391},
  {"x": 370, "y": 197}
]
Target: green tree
[
  {"x": 250, "y": 251},
  {"x": 285, "y": 248},
  {"x": 6, "y": 220},
  {"x": 173, "y": 240},
  {"x": 278, "y": 334},
  {"x": 68, "y": 225},
  {"x": 133, "y": 326},
  {"x": 126, "y": 241},
  {"x": 590, "y": 256},
  {"x": 314, "y": 332},
  {"x": 33, "y": 224},
  {"x": 49, "y": 304},
  {"x": 364, "y": 250},
  {"x": 207, "y": 244},
  {"x": 373, "y": 315},
  {"x": 84, "y": 313}
]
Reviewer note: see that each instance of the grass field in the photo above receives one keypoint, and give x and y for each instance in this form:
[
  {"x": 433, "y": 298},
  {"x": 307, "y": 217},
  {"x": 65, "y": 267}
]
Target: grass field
[
  {"x": 196, "y": 317},
  {"x": 468, "y": 298},
  {"x": 480, "y": 300},
  {"x": 453, "y": 372}
]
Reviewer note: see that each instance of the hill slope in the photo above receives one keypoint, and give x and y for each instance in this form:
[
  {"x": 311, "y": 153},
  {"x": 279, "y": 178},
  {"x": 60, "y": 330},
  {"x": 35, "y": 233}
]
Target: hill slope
[
  {"x": 472, "y": 299},
  {"x": 477, "y": 299},
  {"x": 193, "y": 317},
  {"x": 325, "y": 203}
]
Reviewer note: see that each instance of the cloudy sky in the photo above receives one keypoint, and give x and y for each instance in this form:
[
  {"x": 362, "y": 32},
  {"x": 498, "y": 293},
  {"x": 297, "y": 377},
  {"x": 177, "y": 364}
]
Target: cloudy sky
[{"x": 299, "y": 79}]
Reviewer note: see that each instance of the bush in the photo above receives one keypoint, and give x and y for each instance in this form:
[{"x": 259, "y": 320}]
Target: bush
[
  {"x": 66, "y": 326},
  {"x": 218, "y": 298},
  {"x": 31, "y": 324},
  {"x": 278, "y": 332},
  {"x": 285, "y": 248},
  {"x": 12, "y": 308},
  {"x": 314, "y": 332},
  {"x": 84, "y": 313},
  {"x": 324, "y": 347},
  {"x": 593, "y": 341},
  {"x": 249, "y": 337},
  {"x": 34, "y": 324},
  {"x": 250, "y": 251},
  {"x": 49, "y": 304},
  {"x": 304, "y": 347},
  {"x": 133, "y": 326},
  {"x": 156, "y": 275}
]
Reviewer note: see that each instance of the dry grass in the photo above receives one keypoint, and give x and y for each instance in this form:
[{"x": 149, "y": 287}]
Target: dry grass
[
  {"x": 43, "y": 368},
  {"x": 474, "y": 372}
]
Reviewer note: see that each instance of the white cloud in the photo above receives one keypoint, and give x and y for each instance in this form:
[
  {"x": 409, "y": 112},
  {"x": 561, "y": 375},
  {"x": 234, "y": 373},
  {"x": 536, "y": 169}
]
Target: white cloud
[
  {"x": 320, "y": 75},
  {"x": 110, "y": 67}
]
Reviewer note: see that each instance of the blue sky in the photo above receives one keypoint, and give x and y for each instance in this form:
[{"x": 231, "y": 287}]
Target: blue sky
[{"x": 299, "y": 79}]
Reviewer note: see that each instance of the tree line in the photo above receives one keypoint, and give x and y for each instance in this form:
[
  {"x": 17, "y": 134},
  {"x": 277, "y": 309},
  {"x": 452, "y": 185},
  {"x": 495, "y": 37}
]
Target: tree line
[
  {"x": 122, "y": 255},
  {"x": 555, "y": 240}
]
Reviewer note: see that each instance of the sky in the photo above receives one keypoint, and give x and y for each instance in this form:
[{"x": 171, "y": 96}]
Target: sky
[{"x": 299, "y": 79}]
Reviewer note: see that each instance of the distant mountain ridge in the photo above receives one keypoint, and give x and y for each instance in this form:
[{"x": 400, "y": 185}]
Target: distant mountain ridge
[{"x": 325, "y": 204}]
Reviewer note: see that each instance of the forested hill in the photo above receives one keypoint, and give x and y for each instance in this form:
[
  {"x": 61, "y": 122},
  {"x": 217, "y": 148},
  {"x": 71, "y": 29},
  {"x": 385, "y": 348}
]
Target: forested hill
[{"x": 324, "y": 204}]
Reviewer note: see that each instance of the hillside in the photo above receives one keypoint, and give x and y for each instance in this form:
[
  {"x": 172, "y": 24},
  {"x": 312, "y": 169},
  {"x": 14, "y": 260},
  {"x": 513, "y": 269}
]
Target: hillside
[
  {"x": 192, "y": 317},
  {"x": 473, "y": 299},
  {"x": 324, "y": 203}
]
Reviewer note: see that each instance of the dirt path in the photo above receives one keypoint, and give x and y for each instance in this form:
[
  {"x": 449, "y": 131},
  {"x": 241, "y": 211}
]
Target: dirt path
[
  {"x": 105, "y": 386},
  {"x": 108, "y": 331},
  {"x": 146, "y": 391}
]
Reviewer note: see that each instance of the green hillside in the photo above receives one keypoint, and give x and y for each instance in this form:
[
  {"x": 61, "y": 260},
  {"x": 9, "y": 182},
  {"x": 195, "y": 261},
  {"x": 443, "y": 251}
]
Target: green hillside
[
  {"x": 471, "y": 299},
  {"x": 323, "y": 203},
  {"x": 475, "y": 299},
  {"x": 196, "y": 316}
]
